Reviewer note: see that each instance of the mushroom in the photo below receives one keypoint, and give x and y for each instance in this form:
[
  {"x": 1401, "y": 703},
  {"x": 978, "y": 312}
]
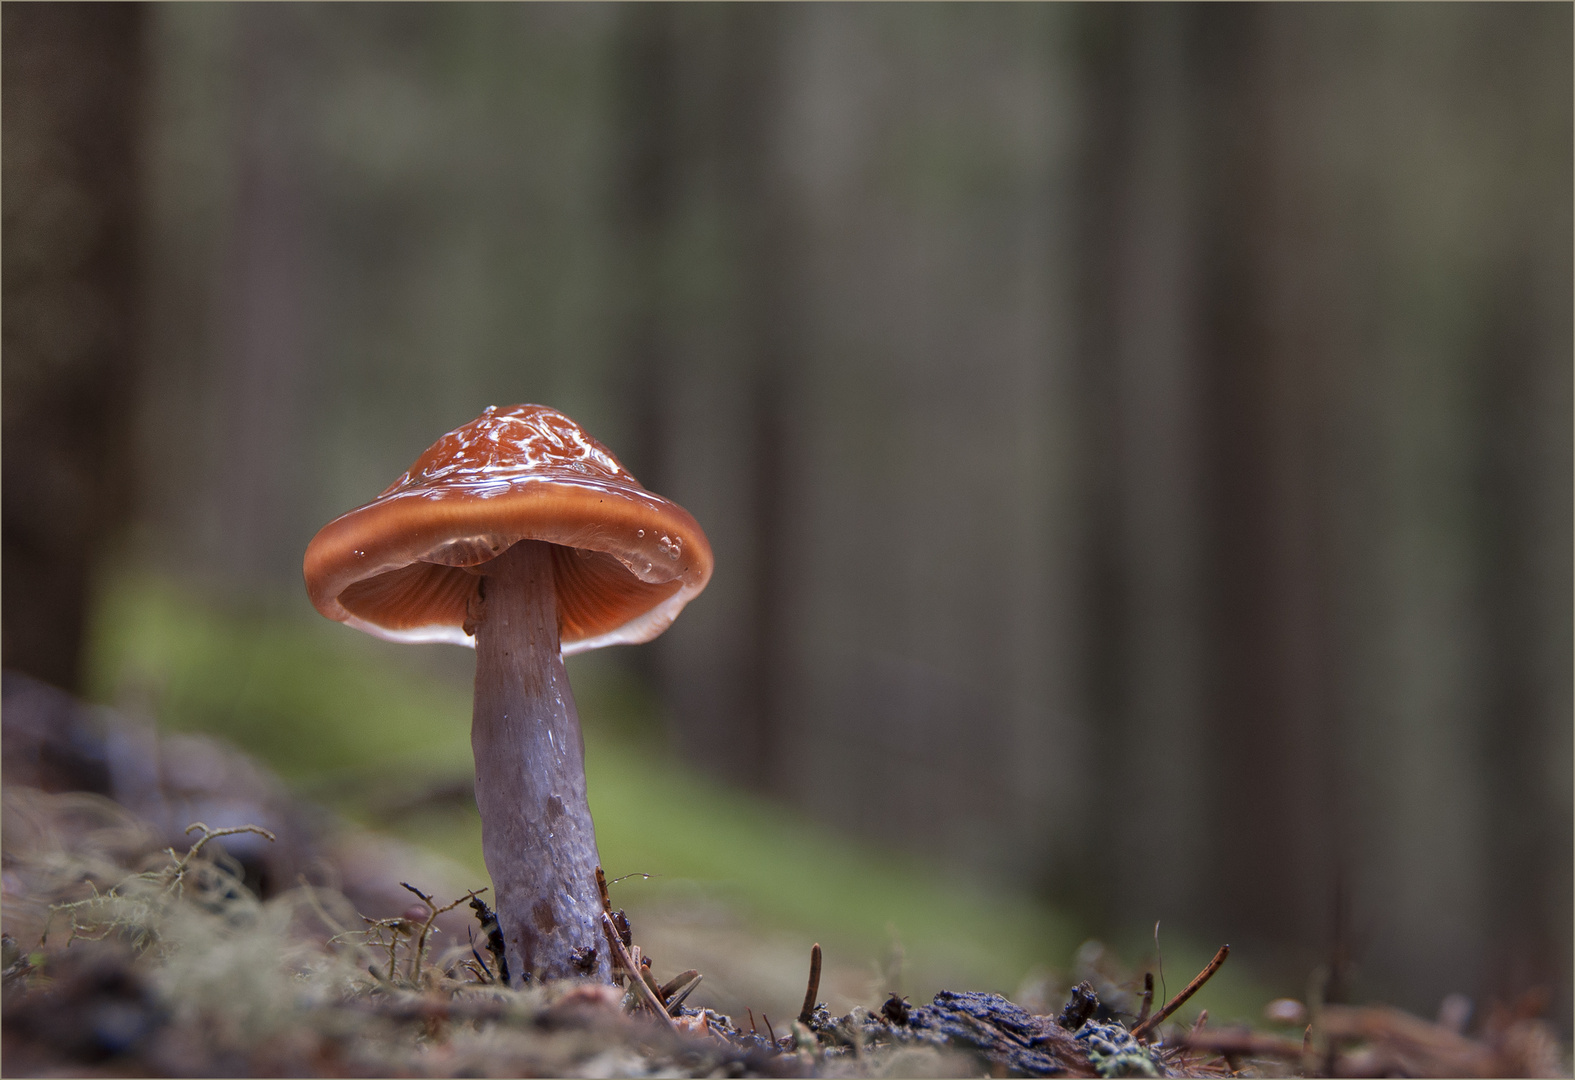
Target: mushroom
[{"x": 522, "y": 536}]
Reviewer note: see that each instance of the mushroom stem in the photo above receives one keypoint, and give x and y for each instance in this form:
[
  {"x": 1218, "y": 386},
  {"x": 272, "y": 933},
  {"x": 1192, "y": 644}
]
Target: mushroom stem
[{"x": 536, "y": 831}]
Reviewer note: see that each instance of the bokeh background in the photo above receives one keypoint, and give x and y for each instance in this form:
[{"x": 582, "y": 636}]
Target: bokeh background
[{"x": 1136, "y": 442}]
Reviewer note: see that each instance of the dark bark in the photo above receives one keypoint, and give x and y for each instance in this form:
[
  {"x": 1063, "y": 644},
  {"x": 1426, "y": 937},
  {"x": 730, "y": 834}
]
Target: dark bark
[
  {"x": 647, "y": 77},
  {"x": 73, "y": 73},
  {"x": 265, "y": 341},
  {"x": 768, "y": 308},
  {"x": 536, "y": 830}
]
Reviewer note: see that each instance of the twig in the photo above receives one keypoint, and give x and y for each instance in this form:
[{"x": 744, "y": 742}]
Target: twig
[
  {"x": 1242, "y": 1043},
  {"x": 678, "y": 1002},
  {"x": 650, "y": 980},
  {"x": 177, "y": 873},
  {"x": 671, "y": 986},
  {"x": 477, "y": 966},
  {"x": 607, "y": 909},
  {"x": 426, "y": 927},
  {"x": 1148, "y": 998},
  {"x": 394, "y": 927},
  {"x": 770, "y": 1032},
  {"x": 814, "y": 985},
  {"x": 210, "y": 834},
  {"x": 634, "y": 973},
  {"x": 1417, "y": 1046},
  {"x": 601, "y": 887},
  {"x": 79, "y": 930},
  {"x": 1181, "y": 999},
  {"x": 1159, "y": 955}
]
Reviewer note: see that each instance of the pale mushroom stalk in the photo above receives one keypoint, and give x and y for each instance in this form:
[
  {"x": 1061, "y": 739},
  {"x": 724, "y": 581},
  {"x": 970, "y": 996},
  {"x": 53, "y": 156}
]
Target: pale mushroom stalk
[{"x": 536, "y": 830}]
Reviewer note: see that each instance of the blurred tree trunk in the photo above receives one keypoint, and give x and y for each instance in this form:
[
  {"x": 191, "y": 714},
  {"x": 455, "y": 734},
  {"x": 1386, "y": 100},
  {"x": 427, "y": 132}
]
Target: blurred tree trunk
[
  {"x": 1523, "y": 483},
  {"x": 698, "y": 91},
  {"x": 646, "y": 187},
  {"x": 1274, "y": 805},
  {"x": 751, "y": 129},
  {"x": 258, "y": 405},
  {"x": 1142, "y": 606},
  {"x": 73, "y": 82},
  {"x": 1329, "y": 471},
  {"x": 1522, "y": 479},
  {"x": 863, "y": 309},
  {"x": 647, "y": 181}
]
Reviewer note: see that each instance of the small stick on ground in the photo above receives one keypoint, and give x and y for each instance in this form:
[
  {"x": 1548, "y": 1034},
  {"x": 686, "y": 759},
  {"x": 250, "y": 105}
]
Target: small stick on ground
[
  {"x": 678, "y": 1001},
  {"x": 1243, "y": 1043},
  {"x": 1181, "y": 999},
  {"x": 601, "y": 887},
  {"x": 676, "y": 983},
  {"x": 426, "y": 927},
  {"x": 752, "y": 1029},
  {"x": 1148, "y": 998},
  {"x": 814, "y": 985},
  {"x": 635, "y": 976},
  {"x": 176, "y": 875},
  {"x": 650, "y": 980},
  {"x": 773, "y": 1034}
]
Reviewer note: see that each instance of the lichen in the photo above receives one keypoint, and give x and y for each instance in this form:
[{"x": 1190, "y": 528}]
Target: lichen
[{"x": 1113, "y": 1051}]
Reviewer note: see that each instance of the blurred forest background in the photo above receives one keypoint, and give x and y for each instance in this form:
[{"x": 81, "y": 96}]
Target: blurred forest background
[{"x": 1136, "y": 440}]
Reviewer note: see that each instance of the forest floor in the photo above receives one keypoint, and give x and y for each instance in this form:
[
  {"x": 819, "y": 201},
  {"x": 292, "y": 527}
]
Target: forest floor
[{"x": 250, "y": 952}]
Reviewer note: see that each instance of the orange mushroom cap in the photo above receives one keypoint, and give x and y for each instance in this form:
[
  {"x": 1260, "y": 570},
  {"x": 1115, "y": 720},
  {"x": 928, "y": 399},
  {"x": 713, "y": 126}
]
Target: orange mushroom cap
[{"x": 626, "y": 563}]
